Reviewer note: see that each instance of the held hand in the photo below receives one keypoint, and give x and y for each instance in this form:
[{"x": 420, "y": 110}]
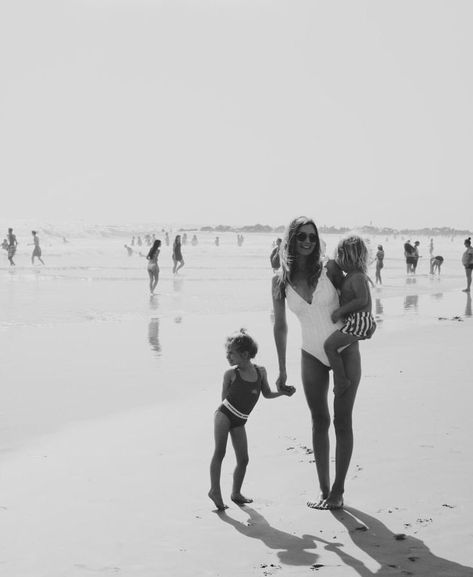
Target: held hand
[
  {"x": 288, "y": 390},
  {"x": 281, "y": 381}
]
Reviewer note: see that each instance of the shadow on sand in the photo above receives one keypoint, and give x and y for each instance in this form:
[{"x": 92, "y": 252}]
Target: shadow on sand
[
  {"x": 291, "y": 550},
  {"x": 396, "y": 554}
]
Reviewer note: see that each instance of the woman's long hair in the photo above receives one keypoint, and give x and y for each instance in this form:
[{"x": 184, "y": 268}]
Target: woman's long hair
[
  {"x": 287, "y": 252},
  {"x": 153, "y": 249}
]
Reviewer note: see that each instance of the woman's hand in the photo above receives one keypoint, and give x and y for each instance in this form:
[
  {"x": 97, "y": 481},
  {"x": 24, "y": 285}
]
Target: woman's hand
[
  {"x": 281, "y": 381},
  {"x": 288, "y": 390}
]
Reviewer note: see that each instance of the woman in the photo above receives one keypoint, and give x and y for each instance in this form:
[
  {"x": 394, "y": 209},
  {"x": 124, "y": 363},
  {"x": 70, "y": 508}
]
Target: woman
[
  {"x": 153, "y": 268},
  {"x": 467, "y": 262},
  {"x": 177, "y": 254},
  {"x": 310, "y": 289},
  {"x": 379, "y": 263}
]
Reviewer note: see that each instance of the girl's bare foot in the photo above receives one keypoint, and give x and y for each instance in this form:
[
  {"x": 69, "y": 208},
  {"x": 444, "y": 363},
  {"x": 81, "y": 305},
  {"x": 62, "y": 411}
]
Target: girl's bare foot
[
  {"x": 239, "y": 499},
  {"x": 217, "y": 499}
]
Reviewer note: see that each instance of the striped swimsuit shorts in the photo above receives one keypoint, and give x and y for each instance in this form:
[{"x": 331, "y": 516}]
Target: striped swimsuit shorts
[{"x": 361, "y": 325}]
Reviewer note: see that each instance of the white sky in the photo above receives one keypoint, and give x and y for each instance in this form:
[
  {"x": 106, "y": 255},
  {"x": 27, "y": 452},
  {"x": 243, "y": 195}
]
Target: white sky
[{"x": 237, "y": 111}]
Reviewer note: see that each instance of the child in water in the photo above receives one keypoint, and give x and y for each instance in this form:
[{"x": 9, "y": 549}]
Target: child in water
[
  {"x": 355, "y": 310},
  {"x": 242, "y": 385}
]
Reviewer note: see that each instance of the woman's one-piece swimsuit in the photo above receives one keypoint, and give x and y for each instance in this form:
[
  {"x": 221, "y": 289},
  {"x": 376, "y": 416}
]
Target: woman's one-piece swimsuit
[
  {"x": 316, "y": 324},
  {"x": 241, "y": 399}
]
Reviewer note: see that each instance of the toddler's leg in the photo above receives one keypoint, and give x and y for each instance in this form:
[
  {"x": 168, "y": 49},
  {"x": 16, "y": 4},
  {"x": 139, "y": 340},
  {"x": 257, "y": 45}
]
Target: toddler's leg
[
  {"x": 221, "y": 428},
  {"x": 336, "y": 341},
  {"x": 240, "y": 444}
]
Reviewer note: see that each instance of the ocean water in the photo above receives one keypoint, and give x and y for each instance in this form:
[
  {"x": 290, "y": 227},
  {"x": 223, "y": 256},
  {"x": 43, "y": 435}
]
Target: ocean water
[
  {"x": 81, "y": 338},
  {"x": 91, "y": 278}
]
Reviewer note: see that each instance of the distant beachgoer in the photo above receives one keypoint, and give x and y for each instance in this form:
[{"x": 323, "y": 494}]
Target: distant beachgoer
[
  {"x": 5, "y": 244},
  {"x": 355, "y": 310},
  {"x": 177, "y": 254},
  {"x": 166, "y": 238},
  {"x": 12, "y": 244},
  {"x": 139, "y": 242},
  {"x": 129, "y": 250},
  {"x": 379, "y": 263},
  {"x": 467, "y": 262},
  {"x": 152, "y": 267},
  {"x": 274, "y": 257},
  {"x": 431, "y": 247},
  {"x": 194, "y": 240},
  {"x": 436, "y": 264},
  {"x": 409, "y": 255},
  {"x": 242, "y": 385},
  {"x": 37, "y": 248},
  {"x": 416, "y": 256},
  {"x": 217, "y": 241},
  {"x": 309, "y": 285}
]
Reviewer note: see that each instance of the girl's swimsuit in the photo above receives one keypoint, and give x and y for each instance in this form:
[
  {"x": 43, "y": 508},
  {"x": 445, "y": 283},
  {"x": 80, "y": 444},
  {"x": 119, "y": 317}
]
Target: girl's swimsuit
[
  {"x": 316, "y": 324},
  {"x": 241, "y": 399}
]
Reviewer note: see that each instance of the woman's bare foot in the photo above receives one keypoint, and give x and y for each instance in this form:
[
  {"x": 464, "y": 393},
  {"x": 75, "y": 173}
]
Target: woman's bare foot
[
  {"x": 217, "y": 499},
  {"x": 331, "y": 503},
  {"x": 239, "y": 499},
  {"x": 316, "y": 504}
]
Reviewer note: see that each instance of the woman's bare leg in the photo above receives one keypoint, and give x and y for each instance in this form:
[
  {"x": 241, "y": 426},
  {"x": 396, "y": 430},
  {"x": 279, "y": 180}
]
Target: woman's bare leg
[
  {"x": 343, "y": 409},
  {"x": 315, "y": 380}
]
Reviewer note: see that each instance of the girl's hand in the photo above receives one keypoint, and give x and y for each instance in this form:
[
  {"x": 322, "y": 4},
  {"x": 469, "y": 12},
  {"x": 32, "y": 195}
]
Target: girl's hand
[{"x": 288, "y": 390}]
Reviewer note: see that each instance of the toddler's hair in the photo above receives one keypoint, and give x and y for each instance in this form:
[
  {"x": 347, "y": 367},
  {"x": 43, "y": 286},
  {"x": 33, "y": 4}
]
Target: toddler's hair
[
  {"x": 243, "y": 343},
  {"x": 352, "y": 252}
]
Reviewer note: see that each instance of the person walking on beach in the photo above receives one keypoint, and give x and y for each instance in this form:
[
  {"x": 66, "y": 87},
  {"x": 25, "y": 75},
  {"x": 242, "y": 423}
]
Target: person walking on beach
[
  {"x": 177, "y": 255},
  {"x": 467, "y": 262},
  {"x": 37, "y": 249},
  {"x": 152, "y": 267},
  {"x": 274, "y": 256},
  {"x": 379, "y": 263},
  {"x": 310, "y": 289},
  {"x": 242, "y": 385},
  {"x": 12, "y": 244},
  {"x": 355, "y": 310}
]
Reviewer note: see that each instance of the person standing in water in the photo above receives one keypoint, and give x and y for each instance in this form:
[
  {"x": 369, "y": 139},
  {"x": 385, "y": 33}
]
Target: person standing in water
[
  {"x": 467, "y": 262},
  {"x": 37, "y": 249},
  {"x": 12, "y": 244},
  {"x": 379, "y": 263},
  {"x": 152, "y": 267},
  {"x": 177, "y": 254}
]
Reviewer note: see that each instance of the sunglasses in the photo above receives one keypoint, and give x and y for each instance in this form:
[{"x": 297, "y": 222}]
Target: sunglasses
[{"x": 301, "y": 236}]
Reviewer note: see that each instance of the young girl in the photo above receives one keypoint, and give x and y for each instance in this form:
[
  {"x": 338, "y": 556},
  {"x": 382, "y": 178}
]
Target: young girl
[
  {"x": 355, "y": 309},
  {"x": 242, "y": 385}
]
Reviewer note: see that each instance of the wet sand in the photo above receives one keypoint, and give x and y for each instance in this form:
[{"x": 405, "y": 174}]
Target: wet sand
[{"x": 105, "y": 453}]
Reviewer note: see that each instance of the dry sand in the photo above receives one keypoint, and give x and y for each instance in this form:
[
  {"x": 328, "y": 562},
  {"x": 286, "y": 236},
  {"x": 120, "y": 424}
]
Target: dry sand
[{"x": 123, "y": 491}]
